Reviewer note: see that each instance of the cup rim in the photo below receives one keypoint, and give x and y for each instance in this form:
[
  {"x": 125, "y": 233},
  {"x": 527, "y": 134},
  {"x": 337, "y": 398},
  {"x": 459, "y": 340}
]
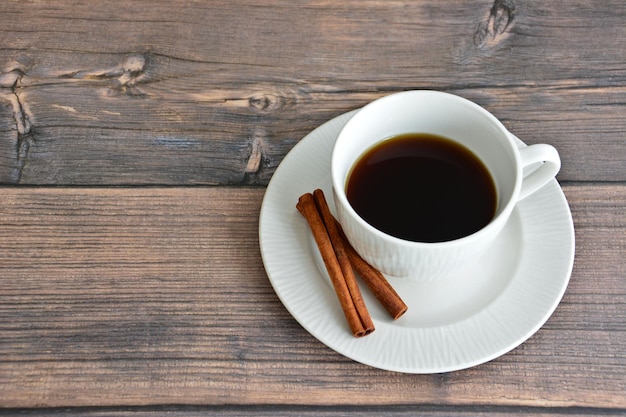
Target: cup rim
[{"x": 497, "y": 221}]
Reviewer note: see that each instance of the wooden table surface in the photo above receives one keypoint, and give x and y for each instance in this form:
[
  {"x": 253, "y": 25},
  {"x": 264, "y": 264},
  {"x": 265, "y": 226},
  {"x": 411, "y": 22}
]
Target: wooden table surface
[{"x": 136, "y": 143}]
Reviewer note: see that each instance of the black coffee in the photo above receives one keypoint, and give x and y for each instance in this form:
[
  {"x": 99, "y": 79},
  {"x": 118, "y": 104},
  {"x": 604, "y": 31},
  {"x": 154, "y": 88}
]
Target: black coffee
[{"x": 423, "y": 188}]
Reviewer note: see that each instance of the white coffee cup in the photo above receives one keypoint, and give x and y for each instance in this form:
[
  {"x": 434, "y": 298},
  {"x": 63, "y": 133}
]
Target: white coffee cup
[{"x": 460, "y": 120}]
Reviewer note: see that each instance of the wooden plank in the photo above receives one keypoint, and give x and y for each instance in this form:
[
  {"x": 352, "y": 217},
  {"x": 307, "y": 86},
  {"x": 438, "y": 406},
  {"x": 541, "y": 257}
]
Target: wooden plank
[
  {"x": 148, "y": 296},
  {"x": 308, "y": 411},
  {"x": 211, "y": 93}
]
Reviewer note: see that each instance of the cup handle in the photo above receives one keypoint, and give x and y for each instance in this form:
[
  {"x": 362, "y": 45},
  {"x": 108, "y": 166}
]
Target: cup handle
[{"x": 547, "y": 161}]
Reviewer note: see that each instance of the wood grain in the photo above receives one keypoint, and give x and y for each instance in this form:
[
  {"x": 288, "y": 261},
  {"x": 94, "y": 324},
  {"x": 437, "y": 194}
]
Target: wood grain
[
  {"x": 335, "y": 411},
  {"x": 216, "y": 93},
  {"x": 130, "y": 285},
  {"x": 146, "y": 296}
]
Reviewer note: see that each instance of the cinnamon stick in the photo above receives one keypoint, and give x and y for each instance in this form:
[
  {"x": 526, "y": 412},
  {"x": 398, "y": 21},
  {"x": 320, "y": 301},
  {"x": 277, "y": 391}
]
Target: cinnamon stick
[
  {"x": 308, "y": 208},
  {"x": 343, "y": 259},
  {"x": 376, "y": 281}
]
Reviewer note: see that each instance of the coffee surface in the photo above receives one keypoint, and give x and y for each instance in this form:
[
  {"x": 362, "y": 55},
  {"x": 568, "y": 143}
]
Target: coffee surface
[{"x": 423, "y": 188}]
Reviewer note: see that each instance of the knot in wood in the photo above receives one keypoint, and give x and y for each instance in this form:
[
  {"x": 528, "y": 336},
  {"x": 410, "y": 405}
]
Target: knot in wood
[
  {"x": 10, "y": 79},
  {"x": 263, "y": 102},
  {"x": 134, "y": 65},
  {"x": 133, "y": 70},
  {"x": 492, "y": 30}
]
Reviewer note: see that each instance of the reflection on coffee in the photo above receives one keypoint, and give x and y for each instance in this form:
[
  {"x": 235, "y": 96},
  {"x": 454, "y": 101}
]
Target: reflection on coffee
[{"x": 422, "y": 188}]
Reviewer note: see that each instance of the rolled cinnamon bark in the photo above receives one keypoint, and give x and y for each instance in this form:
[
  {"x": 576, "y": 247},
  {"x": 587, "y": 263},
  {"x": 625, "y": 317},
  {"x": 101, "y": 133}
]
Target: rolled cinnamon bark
[
  {"x": 343, "y": 259},
  {"x": 377, "y": 283},
  {"x": 375, "y": 280},
  {"x": 308, "y": 208}
]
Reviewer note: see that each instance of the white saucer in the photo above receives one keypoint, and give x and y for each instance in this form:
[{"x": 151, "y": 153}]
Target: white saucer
[{"x": 462, "y": 321}]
